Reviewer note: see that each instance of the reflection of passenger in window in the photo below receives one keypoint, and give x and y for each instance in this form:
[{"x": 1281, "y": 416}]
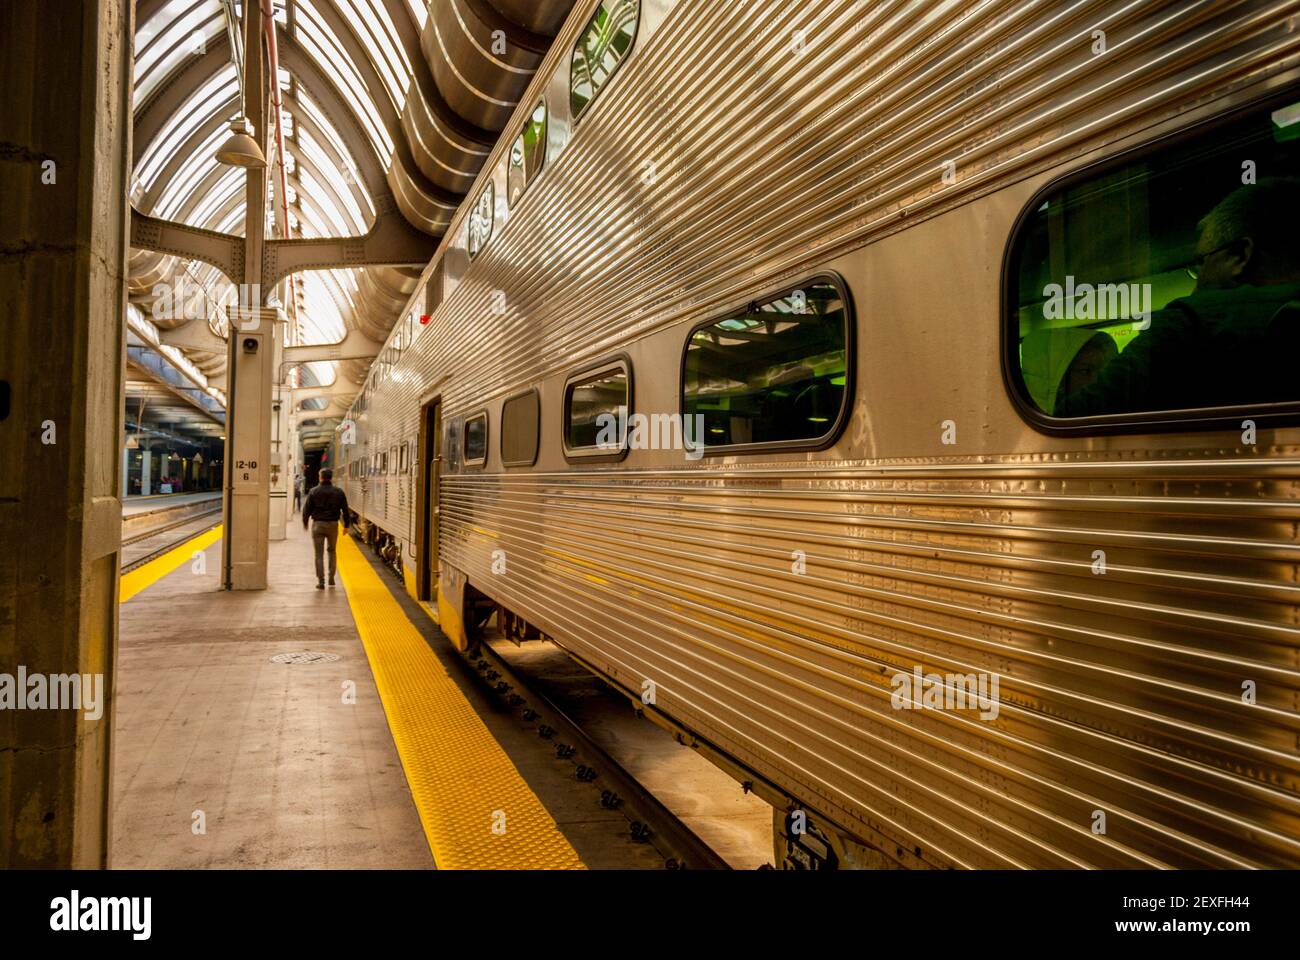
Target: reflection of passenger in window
[
  {"x": 1222, "y": 344},
  {"x": 1059, "y": 362}
]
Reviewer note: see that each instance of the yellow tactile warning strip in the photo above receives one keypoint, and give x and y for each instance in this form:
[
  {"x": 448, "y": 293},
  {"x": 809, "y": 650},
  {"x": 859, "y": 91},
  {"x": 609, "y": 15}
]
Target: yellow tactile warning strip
[
  {"x": 478, "y": 812},
  {"x": 153, "y": 571}
]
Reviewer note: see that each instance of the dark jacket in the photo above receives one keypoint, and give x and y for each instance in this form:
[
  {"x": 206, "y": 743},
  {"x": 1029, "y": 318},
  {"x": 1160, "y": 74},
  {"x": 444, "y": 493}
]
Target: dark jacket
[
  {"x": 1211, "y": 348},
  {"x": 326, "y": 503}
]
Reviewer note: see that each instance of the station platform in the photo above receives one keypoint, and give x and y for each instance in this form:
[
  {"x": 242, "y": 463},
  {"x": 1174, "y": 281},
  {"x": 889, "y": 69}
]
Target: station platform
[
  {"x": 282, "y": 771},
  {"x": 225, "y": 758},
  {"x": 133, "y": 506}
]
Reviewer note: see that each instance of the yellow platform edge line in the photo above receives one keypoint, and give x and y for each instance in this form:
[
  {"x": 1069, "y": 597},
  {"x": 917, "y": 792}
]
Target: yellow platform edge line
[
  {"x": 144, "y": 577},
  {"x": 477, "y": 811}
]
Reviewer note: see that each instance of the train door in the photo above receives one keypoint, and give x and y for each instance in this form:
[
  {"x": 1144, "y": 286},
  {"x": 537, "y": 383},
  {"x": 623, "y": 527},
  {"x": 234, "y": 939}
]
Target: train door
[{"x": 430, "y": 466}]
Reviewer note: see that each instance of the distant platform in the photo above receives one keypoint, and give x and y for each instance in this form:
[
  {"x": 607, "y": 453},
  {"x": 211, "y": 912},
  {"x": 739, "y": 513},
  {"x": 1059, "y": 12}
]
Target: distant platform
[{"x": 133, "y": 506}]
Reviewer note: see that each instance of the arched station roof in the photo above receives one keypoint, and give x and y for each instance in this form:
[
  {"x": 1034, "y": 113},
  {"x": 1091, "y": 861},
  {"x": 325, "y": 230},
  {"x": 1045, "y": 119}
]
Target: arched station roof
[{"x": 389, "y": 109}]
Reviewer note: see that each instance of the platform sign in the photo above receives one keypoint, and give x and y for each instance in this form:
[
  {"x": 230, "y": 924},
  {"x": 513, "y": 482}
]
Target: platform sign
[
  {"x": 347, "y": 433},
  {"x": 247, "y": 472}
]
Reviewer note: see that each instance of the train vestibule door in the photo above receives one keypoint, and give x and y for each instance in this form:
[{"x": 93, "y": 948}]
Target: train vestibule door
[{"x": 430, "y": 467}]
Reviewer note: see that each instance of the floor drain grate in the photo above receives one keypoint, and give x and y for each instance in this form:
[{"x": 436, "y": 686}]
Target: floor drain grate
[{"x": 305, "y": 656}]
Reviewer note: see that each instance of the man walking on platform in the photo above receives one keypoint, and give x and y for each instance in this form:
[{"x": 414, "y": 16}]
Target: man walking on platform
[{"x": 327, "y": 505}]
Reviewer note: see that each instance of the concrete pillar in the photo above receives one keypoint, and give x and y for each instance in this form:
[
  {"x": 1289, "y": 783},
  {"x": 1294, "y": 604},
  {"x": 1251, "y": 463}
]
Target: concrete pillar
[
  {"x": 251, "y": 371},
  {"x": 65, "y": 123},
  {"x": 146, "y": 469}
]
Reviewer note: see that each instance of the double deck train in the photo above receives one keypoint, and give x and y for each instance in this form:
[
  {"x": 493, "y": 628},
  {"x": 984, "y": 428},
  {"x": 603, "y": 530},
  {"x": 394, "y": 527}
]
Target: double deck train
[{"x": 885, "y": 397}]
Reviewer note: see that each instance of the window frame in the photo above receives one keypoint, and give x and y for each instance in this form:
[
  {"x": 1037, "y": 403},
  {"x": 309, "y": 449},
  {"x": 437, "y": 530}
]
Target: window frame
[
  {"x": 465, "y": 460},
  {"x": 595, "y": 454},
  {"x": 1205, "y": 419},
  {"x": 838, "y": 425},
  {"x": 404, "y": 456},
  {"x": 576, "y": 117},
  {"x": 537, "y": 445}
]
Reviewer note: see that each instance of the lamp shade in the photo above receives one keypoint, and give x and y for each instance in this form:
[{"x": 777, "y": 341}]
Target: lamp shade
[{"x": 240, "y": 149}]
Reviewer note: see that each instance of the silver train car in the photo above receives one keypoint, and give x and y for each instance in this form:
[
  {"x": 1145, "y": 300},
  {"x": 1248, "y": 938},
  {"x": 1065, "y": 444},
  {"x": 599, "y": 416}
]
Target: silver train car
[{"x": 804, "y": 370}]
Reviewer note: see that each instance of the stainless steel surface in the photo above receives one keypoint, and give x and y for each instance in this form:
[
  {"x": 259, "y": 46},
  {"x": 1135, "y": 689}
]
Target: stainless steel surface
[{"x": 733, "y": 153}]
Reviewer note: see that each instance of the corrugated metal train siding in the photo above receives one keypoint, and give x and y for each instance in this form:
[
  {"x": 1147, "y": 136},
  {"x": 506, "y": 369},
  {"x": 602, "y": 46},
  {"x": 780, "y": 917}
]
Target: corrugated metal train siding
[
  {"x": 1115, "y": 694},
  {"x": 1119, "y": 693}
]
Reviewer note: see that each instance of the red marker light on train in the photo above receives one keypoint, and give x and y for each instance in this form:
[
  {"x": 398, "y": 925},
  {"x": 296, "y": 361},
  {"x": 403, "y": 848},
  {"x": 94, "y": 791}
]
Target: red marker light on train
[{"x": 424, "y": 318}]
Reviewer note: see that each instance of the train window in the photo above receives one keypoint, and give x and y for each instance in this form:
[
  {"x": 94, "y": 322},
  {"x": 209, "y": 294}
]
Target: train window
[
  {"x": 480, "y": 221},
  {"x": 528, "y": 155},
  {"x": 520, "y": 423},
  {"x": 774, "y": 374},
  {"x": 1164, "y": 287},
  {"x": 602, "y": 47},
  {"x": 392, "y": 459},
  {"x": 405, "y": 454},
  {"x": 596, "y": 406},
  {"x": 476, "y": 440}
]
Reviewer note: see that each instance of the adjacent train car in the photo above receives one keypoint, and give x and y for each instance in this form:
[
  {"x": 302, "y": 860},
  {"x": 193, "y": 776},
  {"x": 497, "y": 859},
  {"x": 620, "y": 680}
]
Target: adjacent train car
[{"x": 803, "y": 369}]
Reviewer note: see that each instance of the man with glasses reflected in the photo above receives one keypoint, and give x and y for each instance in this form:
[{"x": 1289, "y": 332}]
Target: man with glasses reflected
[{"x": 1232, "y": 340}]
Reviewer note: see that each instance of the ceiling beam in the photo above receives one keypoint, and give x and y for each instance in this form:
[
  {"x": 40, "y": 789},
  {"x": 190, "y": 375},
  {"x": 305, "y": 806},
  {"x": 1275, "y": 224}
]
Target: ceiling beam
[
  {"x": 223, "y": 250},
  {"x": 391, "y": 242},
  {"x": 195, "y": 335},
  {"x": 354, "y": 346}
]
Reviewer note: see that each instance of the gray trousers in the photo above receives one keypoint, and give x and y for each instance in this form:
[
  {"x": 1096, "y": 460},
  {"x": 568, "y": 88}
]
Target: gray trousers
[{"x": 323, "y": 532}]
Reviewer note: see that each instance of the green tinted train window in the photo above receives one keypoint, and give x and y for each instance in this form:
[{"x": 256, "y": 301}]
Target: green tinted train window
[
  {"x": 595, "y": 411},
  {"x": 601, "y": 48},
  {"x": 775, "y": 373},
  {"x": 1171, "y": 283},
  {"x": 527, "y": 155}
]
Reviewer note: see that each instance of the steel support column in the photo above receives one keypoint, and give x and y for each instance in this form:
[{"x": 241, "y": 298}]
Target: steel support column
[{"x": 251, "y": 363}]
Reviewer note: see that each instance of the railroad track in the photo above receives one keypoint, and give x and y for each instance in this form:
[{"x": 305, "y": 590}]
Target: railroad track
[
  {"x": 189, "y": 527},
  {"x": 649, "y": 820},
  {"x": 163, "y": 528}
]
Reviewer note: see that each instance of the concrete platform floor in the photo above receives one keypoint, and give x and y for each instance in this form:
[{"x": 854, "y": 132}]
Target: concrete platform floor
[{"x": 284, "y": 772}]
